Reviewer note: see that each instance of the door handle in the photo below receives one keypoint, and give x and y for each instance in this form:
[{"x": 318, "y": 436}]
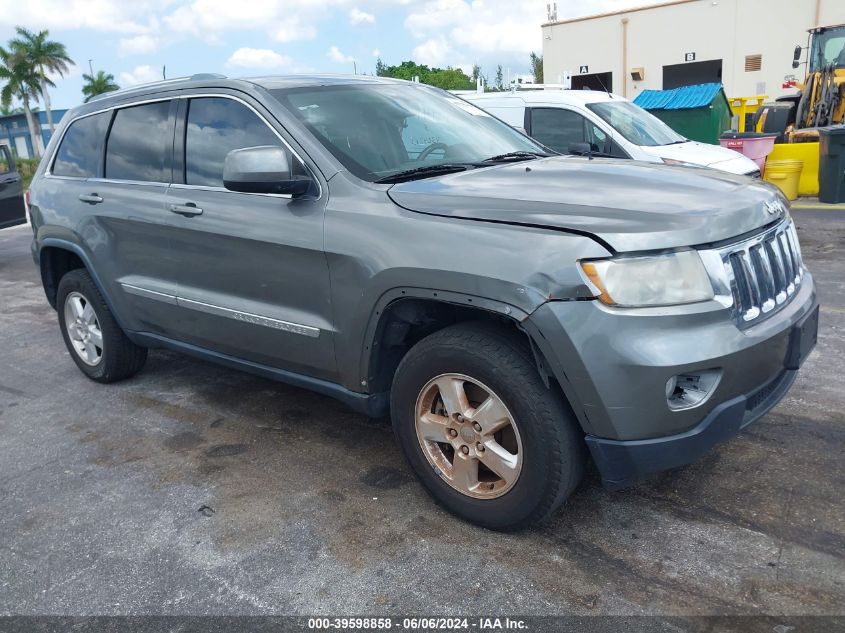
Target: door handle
[
  {"x": 92, "y": 198},
  {"x": 9, "y": 180},
  {"x": 188, "y": 210}
]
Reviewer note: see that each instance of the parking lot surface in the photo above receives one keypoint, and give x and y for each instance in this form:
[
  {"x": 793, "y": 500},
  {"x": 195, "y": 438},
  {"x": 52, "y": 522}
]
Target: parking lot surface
[{"x": 193, "y": 489}]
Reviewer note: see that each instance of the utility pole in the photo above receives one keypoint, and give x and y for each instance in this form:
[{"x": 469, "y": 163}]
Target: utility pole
[
  {"x": 354, "y": 67},
  {"x": 164, "y": 72},
  {"x": 91, "y": 66}
]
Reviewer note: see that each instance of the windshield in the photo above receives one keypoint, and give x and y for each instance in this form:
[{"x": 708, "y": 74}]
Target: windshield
[
  {"x": 635, "y": 124},
  {"x": 828, "y": 48},
  {"x": 377, "y": 130}
]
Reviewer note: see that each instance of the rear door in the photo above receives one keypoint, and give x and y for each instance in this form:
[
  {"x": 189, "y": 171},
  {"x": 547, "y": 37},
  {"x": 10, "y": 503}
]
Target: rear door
[
  {"x": 12, "y": 209},
  {"x": 130, "y": 235},
  {"x": 253, "y": 277}
]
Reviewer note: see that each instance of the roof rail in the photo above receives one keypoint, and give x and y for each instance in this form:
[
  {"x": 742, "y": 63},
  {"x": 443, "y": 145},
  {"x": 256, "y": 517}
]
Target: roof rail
[
  {"x": 518, "y": 86},
  {"x": 161, "y": 82}
]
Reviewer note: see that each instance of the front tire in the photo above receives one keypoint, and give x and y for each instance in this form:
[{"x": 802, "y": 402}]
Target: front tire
[
  {"x": 484, "y": 435},
  {"x": 95, "y": 341}
]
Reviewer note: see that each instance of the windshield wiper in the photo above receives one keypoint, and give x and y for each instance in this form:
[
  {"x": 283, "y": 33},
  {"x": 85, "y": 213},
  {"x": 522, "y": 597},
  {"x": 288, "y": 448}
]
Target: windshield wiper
[
  {"x": 686, "y": 140},
  {"x": 518, "y": 155},
  {"x": 422, "y": 172}
]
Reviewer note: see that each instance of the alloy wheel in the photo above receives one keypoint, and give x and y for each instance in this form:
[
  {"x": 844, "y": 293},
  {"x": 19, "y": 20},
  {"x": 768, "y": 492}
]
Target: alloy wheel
[
  {"x": 468, "y": 436},
  {"x": 83, "y": 328}
]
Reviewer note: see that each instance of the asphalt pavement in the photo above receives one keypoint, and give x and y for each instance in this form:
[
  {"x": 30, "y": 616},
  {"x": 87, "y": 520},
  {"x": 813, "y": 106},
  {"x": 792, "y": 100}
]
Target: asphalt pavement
[{"x": 193, "y": 489}]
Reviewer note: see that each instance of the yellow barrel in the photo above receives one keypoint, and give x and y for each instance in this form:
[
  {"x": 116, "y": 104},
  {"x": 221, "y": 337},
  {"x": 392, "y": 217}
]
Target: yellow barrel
[{"x": 785, "y": 174}]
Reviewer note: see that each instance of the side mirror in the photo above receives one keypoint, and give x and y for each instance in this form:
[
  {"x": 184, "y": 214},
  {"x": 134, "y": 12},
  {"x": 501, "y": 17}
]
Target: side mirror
[
  {"x": 796, "y": 57},
  {"x": 580, "y": 149},
  {"x": 263, "y": 169}
]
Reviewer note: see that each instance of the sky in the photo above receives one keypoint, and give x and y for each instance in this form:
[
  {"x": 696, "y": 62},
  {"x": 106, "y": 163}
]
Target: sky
[{"x": 134, "y": 39}]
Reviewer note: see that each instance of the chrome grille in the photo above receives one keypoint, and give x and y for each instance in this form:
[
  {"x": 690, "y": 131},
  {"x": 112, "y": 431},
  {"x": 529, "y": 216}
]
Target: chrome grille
[{"x": 763, "y": 272}]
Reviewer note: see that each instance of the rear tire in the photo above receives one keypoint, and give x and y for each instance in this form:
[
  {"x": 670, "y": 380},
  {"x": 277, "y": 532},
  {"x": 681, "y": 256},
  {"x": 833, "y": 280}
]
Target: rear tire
[
  {"x": 95, "y": 341},
  {"x": 536, "y": 452}
]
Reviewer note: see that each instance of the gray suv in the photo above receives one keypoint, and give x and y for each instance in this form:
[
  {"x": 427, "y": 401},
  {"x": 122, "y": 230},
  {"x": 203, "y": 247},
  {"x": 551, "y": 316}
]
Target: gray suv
[{"x": 394, "y": 246}]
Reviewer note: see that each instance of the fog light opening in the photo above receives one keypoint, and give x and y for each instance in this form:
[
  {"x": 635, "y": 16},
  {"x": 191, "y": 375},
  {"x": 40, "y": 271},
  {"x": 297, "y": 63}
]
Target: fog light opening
[{"x": 686, "y": 391}]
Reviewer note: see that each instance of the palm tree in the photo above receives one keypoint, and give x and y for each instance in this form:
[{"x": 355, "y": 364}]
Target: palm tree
[
  {"x": 98, "y": 84},
  {"x": 21, "y": 82},
  {"x": 45, "y": 56}
]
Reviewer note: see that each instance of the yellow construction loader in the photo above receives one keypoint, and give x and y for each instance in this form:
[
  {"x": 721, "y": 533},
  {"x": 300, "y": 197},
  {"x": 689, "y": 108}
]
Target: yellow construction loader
[{"x": 822, "y": 98}]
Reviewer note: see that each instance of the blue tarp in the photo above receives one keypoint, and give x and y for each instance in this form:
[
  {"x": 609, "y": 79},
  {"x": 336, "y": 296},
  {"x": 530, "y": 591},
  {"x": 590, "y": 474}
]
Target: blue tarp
[{"x": 685, "y": 98}]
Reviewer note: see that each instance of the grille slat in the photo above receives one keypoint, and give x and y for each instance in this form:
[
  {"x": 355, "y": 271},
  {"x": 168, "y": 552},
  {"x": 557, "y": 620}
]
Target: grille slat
[
  {"x": 786, "y": 256},
  {"x": 766, "y": 271}
]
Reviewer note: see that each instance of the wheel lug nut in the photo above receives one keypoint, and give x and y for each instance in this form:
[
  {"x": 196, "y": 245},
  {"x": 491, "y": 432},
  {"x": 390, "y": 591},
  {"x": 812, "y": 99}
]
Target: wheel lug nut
[
  {"x": 459, "y": 417},
  {"x": 479, "y": 447},
  {"x": 453, "y": 433},
  {"x": 465, "y": 450},
  {"x": 476, "y": 426}
]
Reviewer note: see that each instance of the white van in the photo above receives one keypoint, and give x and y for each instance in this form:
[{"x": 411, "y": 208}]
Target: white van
[{"x": 582, "y": 121}]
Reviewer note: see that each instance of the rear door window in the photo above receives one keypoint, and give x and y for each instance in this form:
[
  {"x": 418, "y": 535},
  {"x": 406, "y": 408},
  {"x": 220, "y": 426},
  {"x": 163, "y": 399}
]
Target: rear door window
[
  {"x": 82, "y": 147},
  {"x": 140, "y": 143},
  {"x": 215, "y": 126}
]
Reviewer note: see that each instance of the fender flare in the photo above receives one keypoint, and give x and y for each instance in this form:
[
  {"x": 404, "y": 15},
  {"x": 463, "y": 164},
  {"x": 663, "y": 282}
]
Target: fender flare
[
  {"x": 393, "y": 295},
  {"x": 76, "y": 249}
]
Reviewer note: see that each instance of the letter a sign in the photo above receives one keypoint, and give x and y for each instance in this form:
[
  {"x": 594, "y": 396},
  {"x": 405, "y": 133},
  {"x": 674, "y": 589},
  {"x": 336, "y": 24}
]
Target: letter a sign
[{"x": 583, "y": 69}]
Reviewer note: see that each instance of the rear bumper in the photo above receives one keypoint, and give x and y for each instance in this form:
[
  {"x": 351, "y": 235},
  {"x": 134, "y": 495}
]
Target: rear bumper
[{"x": 624, "y": 463}]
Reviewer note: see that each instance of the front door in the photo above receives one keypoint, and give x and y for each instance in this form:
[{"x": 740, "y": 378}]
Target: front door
[
  {"x": 12, "y": 210},
  {"x": 253, "y": 276},
  {"x": 560, "y": 128}
]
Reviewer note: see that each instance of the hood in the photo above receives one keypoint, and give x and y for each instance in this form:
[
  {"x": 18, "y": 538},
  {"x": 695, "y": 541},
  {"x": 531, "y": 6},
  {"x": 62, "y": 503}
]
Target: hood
[
  {"x": 714, "y": 156},
  {"x": 629, "y": 205}
]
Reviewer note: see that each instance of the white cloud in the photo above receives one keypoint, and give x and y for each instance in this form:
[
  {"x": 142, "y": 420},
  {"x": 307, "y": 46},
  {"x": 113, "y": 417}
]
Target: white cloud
[
  {"x": 284, "y": 20},
  {"x": 262, "y": 58},
  {"x": 115, "y": 16},
  {"x": 437, "y": 14},
  {"x": 141, "y": 75},
  {"x": 336, "y": 55},
  {"x": 139, "y": 45},
  {"x": 358, "y": 17},
  {"x": 293, "y": 30},
  {"x": 432, "y": 52},
  {"x": 376, "y": 52}
]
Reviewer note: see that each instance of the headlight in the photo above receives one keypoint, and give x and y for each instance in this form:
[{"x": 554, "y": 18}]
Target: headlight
[
  {"x": 678, "y": 163},
  {"x": 659, "y": 280}
]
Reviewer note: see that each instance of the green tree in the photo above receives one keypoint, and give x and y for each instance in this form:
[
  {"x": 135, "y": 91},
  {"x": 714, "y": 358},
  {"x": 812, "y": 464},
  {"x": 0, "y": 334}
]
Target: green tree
[
  {"x": 46, "y": 56},
  {"x": 499, "y": 79},
  {"x": 446, "y": 78},
  {"x": 6, "y": 110},
  {"x": 537, "y": 67},
  {"x": 98, "y": 84},
  {"x": 20, "y": 81},
  {"x": 380, "y": 68}
]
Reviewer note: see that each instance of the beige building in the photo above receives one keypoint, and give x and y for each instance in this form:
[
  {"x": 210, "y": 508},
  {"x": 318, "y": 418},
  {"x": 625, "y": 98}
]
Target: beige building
[{"x": 745, "y": 44}]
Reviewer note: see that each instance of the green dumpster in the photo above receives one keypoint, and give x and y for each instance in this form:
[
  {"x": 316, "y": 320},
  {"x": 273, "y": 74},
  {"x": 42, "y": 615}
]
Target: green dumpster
[{"x": 700, "y": 113}]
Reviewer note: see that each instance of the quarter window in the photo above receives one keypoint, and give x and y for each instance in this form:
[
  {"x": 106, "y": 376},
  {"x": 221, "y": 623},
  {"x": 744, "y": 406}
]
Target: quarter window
[
  {"x": 82, "y": 146},
  {"x": 139, "y": 143},
  {"x": 216, "y": 126}
]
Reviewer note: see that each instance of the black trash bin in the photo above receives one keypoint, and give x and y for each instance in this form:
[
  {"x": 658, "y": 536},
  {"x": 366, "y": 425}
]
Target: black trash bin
[{"x": 832, "y": 164}]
